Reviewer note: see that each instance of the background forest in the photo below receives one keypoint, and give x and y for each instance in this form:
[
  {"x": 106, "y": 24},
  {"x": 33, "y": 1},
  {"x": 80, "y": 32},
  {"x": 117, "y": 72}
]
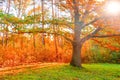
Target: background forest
[{"x": 35, "y": 31}]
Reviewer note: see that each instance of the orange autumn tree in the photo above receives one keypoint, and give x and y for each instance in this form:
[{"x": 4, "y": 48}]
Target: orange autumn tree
[{"x": 89, "y": 19}]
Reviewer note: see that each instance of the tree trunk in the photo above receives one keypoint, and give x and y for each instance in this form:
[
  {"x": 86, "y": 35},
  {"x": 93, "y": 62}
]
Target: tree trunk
[
  {"x": 43, "y": 37},
  {"x": 76, "y": 59},
  {"x": 76, "y": 55},
  {"x": 34, "y": 40}
]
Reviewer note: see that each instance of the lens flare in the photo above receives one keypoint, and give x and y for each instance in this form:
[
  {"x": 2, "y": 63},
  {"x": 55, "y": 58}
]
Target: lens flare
[{"x": 113, "y": 8}]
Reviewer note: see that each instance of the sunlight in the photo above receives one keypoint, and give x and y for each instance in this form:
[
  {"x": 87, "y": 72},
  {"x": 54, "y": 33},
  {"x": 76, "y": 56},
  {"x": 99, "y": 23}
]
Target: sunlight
[
  {"x": 113, "y": 7},
  {"x": 100, "y": 0}
]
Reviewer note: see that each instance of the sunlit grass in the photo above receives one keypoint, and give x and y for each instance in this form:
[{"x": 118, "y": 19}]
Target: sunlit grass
[{"x": 66, "y": 72}]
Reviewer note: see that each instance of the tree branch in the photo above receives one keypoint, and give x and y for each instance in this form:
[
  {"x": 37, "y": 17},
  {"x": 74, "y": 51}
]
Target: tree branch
[
  {"x": 94, "y": 32},
  {"x": 103, "y": 36},
  {"x": 68, "y": 26},
  {"x": 91, "y": 22},
  {"x": 68, "y": 39},
  {"x": 91, "y": 35},
  {"x": 105, "y": 45}
]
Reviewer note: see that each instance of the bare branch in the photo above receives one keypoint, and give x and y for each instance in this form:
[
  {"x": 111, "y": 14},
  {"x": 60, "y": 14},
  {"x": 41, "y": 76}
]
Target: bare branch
[
  {"x": 67, "y": 24},
  {"x": 91, "y": 35},
  {"x": 103, "y": 36},
  {"x": 91, "y": 22},
  {"x": 94, "y": 32}
]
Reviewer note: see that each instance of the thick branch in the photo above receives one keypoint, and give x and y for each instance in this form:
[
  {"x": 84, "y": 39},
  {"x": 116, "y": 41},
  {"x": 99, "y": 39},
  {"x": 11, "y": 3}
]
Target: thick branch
[
  {"x": 94, "y": 32},
  {"x": 68, "y": 39},
  {"x": 91, "y": 35},
  {"x": 105, "y": 45},
  {"x": 103, "y": 36},
  {"x": 91, "y": 22}
]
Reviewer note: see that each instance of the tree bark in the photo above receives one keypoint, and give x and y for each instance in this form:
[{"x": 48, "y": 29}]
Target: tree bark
[
  {"x": 76, "y": 55},
  {"x": 76, "y": 44}
]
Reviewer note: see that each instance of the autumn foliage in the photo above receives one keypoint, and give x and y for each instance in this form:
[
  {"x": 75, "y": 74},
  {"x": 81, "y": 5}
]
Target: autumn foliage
[
  {"x": 37, "y": 33},
  {"x": 20, "y": 50}
]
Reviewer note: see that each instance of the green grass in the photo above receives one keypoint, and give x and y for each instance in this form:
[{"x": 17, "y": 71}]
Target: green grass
[{"x": 66, "y": 72}]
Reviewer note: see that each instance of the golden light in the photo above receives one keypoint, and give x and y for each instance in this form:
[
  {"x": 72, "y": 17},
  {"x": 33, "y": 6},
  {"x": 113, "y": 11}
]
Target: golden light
[
  {"x": 113, "y": 7},
  {"x": 100, "y": 0}
]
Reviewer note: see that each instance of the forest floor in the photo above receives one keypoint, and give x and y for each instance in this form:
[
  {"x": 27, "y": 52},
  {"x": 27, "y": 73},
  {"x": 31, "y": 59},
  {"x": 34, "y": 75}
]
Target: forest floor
[{"x": 57, "y": 71}]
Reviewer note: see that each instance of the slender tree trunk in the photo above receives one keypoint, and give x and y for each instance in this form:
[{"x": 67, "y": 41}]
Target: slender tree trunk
[
  {"x": 21, "y": 41},
  {"x": 43, "y": 37},
  {"x": 54, "y": 29},
  {"x": 3, "y": 40},
  {"x": 19, "y": 9},
  {"x": 34, "y": 40},
  {"x": 6, "y": 42}
]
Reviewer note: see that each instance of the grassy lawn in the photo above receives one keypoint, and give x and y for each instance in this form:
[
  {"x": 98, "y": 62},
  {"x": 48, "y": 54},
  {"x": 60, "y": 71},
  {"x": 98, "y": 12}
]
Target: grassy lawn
[{"x": 66, "y": 72}]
